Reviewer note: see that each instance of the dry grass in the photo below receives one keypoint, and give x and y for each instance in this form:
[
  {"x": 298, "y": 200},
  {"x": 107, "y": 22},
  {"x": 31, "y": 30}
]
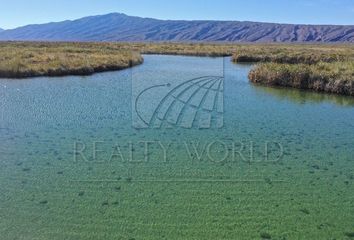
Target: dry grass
[
  {"x": 336, "y": 77},
  {"x": 294, "y": 54},
  {"x": 280, "y": 53},
  {"x": 323, "y": 68},
  {"x": 197, "y": 49},
  {"x": 19, "y": 60},
  {"x": 326, "y": 68}
]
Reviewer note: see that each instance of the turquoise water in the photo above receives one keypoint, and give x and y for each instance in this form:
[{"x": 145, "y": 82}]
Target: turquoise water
[{"x": 76, "y": 163}]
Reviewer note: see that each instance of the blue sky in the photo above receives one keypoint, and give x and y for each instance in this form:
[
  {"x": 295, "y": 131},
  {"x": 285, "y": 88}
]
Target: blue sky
[{"x": 14, "y": 13}]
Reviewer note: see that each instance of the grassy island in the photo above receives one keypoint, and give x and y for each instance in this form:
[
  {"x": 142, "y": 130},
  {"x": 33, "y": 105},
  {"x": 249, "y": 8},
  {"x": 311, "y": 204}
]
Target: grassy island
[
  {"x": 20, "y": 60},
  {"x": 320, "y": 68},
  {"x": 337, "y": 77}
]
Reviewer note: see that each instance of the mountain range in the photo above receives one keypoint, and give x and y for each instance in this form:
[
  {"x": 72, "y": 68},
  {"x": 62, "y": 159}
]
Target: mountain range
[{"x": 120, "y": 27}]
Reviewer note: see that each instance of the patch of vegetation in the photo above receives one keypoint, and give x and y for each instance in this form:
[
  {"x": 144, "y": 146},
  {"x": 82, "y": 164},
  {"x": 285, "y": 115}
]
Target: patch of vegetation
[
  {"x": 323, "y": 68},
  {"x": 192, "y": 49},
  {"x": 336, "y": 77},
  {"x": 20, "y": 60},
  {"x": 305, "y": 211},
  {"x": 265, "y": 235},
  {"x": 43, "y": 202},
  {"x": 294, "y": 54},
  {"x": 349, "y": 234}
]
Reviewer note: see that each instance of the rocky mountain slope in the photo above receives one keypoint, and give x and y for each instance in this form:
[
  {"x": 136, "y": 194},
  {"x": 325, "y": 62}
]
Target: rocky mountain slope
[{"x": 120, "y": 27}]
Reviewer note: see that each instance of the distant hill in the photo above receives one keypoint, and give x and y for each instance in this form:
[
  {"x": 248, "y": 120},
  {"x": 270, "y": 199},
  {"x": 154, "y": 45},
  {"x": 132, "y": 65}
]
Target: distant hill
[
  {"x": 1, "y": 29},
  {"x": 120, "y": 27}
]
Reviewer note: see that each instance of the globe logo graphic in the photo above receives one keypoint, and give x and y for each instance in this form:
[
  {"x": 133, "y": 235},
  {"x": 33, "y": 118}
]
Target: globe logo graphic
[{"x": 196, "y": 103}]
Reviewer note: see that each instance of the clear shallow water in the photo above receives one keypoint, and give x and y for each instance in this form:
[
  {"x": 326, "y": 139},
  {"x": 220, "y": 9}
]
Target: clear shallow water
[{"x": 158, "y": 183}]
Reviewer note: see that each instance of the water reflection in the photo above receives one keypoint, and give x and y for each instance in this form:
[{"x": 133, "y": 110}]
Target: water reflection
[{"x": 303, "y": 96}]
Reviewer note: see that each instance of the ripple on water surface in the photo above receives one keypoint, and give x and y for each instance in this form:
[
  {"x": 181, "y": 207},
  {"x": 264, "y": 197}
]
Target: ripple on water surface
[{"x": 72, "y": 160}]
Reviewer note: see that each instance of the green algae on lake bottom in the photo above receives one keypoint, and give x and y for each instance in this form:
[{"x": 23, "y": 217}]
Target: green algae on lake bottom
[{"x": 236, "y": 188}]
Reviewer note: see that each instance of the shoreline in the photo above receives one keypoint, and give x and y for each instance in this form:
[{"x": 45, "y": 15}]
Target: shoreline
[
  {"x": 85, "y": 71},
  {"x": 320, "y": 68},
  {"x": 318, "y": 78},
  {"x": 20, "y": 60}
]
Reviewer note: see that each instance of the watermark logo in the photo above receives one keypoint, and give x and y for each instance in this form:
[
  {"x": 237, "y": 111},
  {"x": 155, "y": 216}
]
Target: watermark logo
[
  {"x": 216, "y": 151},
  {"x": 195, "y": 103},
  {"x": 178, "y": 99}
]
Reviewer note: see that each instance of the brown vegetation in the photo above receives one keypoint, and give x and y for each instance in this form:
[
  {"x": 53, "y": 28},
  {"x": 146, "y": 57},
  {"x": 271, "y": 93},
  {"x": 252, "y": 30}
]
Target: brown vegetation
[
  {"x": 20, "y": 60},
  {"x": 335, "y": 77},
  {"x": 294, "y": 54},
  {"x": 325, "y": 68}
]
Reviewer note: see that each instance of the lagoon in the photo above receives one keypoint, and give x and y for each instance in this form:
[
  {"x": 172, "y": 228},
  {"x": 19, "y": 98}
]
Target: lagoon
[{"x": 227, "y": 160}]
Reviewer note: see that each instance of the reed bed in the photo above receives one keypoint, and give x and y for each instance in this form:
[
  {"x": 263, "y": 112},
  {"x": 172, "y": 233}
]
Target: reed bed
[
  {"x": 324, "y": 68},
  {"x": 21, "y": 60},
  {"x": 335, "y": 77},
  {"x": 295, "y": 54}
]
